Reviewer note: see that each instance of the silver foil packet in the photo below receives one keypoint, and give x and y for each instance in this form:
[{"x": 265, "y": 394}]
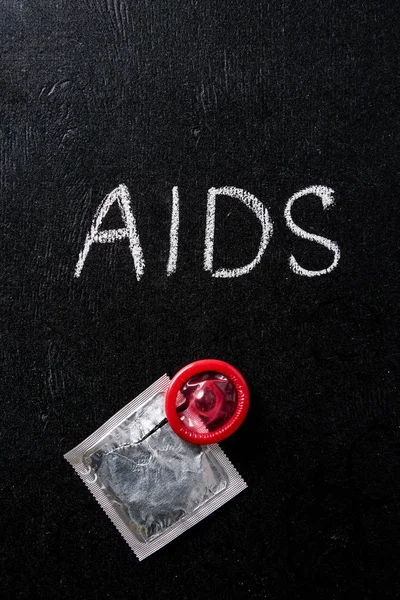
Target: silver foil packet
[{"x": 152, "y": 484}]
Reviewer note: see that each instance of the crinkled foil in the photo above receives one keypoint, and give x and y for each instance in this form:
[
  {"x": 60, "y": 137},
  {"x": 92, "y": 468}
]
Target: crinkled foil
[{"x": 153, "y": 478}]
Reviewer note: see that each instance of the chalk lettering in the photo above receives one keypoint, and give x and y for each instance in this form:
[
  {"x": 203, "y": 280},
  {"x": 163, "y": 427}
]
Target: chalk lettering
[
  {"x": 256, "y": 207},
  {"x": 108, "y": 236},
  {"x": 326, "y": 195},
  {"x": 173, "y": 234}
]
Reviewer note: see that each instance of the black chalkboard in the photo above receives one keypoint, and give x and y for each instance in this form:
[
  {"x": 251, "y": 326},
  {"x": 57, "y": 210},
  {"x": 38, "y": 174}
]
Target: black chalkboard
[{"x": 271, "y": 98}]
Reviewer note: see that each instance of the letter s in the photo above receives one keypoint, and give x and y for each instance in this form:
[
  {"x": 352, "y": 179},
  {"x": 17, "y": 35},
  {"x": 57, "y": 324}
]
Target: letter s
[{"x": 326, "y": 195}]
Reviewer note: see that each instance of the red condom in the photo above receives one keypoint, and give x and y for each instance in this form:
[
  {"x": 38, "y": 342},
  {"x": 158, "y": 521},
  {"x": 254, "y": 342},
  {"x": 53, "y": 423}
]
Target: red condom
[{"x": 206, "y": 401}]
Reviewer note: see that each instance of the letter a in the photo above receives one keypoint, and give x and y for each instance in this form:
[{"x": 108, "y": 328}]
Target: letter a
[{"x": 108, "y": 236}]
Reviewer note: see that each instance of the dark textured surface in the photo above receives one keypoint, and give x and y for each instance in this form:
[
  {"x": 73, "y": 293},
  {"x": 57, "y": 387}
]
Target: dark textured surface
[{"x": 268, "y": 96}]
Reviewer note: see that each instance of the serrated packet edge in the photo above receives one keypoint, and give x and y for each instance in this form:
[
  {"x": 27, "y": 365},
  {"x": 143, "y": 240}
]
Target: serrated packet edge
[{"x": 142, "y": 549}]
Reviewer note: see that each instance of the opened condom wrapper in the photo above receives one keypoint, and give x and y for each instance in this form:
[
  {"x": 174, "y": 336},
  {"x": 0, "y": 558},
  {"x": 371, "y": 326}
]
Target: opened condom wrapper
[{"x": 152, "y": 483}]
